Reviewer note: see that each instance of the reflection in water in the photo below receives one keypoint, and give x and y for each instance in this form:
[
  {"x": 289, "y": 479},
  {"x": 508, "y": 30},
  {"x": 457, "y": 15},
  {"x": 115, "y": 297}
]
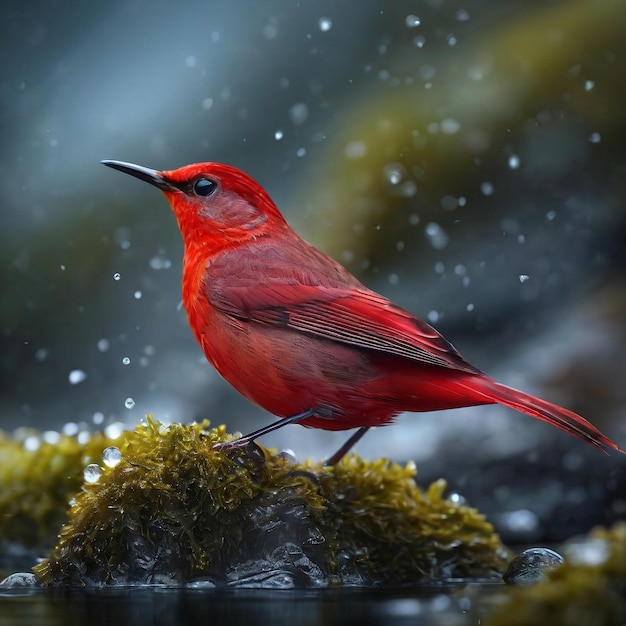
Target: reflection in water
[{"x": 156, "y": 606}]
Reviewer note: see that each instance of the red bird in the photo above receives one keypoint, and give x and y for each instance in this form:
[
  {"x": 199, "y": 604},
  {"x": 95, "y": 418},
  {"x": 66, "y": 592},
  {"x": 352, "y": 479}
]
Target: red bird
[{"x": 295, "y": 333}]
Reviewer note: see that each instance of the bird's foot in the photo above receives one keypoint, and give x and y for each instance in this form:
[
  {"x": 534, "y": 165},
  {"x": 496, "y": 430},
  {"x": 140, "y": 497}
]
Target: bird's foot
[{"x": 249, "y": 450}]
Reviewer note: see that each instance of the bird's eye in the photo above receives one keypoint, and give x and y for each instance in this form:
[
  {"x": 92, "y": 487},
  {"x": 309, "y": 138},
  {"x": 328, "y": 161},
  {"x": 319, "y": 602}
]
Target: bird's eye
[{"x": 204, "y": 187}]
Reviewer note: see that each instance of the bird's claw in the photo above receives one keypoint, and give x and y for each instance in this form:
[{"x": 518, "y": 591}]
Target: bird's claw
[{"x": 249, "y": 448}]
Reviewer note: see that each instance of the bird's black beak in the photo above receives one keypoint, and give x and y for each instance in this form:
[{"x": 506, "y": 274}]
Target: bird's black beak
[{"x": 153, "y": 177}]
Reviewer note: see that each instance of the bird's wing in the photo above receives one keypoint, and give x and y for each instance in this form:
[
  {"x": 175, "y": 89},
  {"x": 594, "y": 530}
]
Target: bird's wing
[{"x": 353, "y": 316}]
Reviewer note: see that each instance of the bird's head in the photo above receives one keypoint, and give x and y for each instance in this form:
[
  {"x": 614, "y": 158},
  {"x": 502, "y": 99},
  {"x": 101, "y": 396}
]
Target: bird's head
[{"x": 216, "y": 205}]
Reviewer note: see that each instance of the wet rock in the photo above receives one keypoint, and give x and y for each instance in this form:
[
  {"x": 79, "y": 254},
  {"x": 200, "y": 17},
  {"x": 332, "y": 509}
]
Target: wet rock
[
  {"x": 20, "y": 579},
  {"x": 531, "y": 566}
]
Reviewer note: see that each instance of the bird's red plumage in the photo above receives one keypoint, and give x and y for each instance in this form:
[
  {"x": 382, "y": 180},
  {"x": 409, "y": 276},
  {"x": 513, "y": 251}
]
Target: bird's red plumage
[{"x": 293, "y": 331}]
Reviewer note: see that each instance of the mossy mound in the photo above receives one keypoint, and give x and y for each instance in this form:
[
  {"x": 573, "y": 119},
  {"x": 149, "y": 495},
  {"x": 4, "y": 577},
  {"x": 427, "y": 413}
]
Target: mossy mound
[
  {"x": 588, "y": 589},
  {"x": 175, "y": 510}
]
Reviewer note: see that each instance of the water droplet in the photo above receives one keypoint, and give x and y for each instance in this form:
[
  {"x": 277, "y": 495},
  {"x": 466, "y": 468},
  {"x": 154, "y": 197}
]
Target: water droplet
[
  {"x": 419, "y": 41},
  {"x": 427, "y": 72},
  {"x": 476, "y": 72},
  {"x": 347, "y": 255},
  {"x": 92, "y": 473},
  {"x": 407, "y": 189},
  {"x": 469, "y": 308},
  {"x": 393, "y": 279},
  {"x": 449, "y": 203},
  {"x": 103, "y": 345},
  {"x": 452, "y": 40},
  {"x": 129, "y": 403},
  {"x": 117, "y": 276},
  {"x": 278, "y": 135},
  {"x": 126, "y": 361},
  {"x": 589, "y": 85},
  {"x": 52, "y": 437},
  {"x": 523, "y": 278},
  {"x": 288, "y": 455},
  {"x": 111, "y": 456},
  {"x": 487, "y": 188},
  {"x": 270, "y": 30},
  {"x": 550, "y": 215},
  {"x": 207, "y": 103},
  {"x": 32, "y": 443},
  {"x": 450, "y": 126},
  {"x": 595, "y": 138},
  {"x": 325, "y": 24},
  {"x": 591, "y": 552},
  {"x": 394, "y": 172},
  {"x": 83, "y": 437},
  {"x": 520, "y": 521},
  {"x": 298, "y": 113},
  {"x": 97, "y": 417},
  {"x": 412, "y": 21},
  {"x": 514, "y": 161},
  {"x": 190, "y": 61},
  {"x": 301, "y": 152},
  {"x": 114, "y": 430},
  {"x": 462, "y": 15},
  {"x": 70, "y": 429},
  {"x": 437, "y": 236},
  {"x": 159, "y": 262},
  {"x": 457, "y": 498},
  {"x": 42, "y": 354},
  {"x": 433, "y": 316},
  {"x": 121, "y": 237},
  {"x": 76, "y": 376},
  {"x": 355, "y": 149},
  {"x": 137, "y": 295}
]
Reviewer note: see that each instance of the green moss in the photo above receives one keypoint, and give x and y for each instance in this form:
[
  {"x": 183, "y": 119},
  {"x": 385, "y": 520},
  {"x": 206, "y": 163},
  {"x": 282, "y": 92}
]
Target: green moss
[
  {"x": 36, "y": 486},
  {"x": 574, "y": 594},
  {"x": 404, "y": 531},
  {"x": 174, "y": 509}
]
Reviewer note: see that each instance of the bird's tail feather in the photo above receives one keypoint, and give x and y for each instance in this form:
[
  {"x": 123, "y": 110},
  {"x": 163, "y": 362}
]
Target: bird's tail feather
[{"x": 564, "y": 419}]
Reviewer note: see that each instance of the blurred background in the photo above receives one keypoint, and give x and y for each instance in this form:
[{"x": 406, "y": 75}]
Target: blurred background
[{"x": 465, "y": 159}]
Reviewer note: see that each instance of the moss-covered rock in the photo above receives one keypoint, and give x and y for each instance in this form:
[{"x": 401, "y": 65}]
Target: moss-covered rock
[{"x": 174, "y": 509}]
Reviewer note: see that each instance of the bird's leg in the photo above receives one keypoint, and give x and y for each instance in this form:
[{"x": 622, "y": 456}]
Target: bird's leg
[
  {"x": 244, "y": 441},
  {"x": 335, "y": 458}
]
